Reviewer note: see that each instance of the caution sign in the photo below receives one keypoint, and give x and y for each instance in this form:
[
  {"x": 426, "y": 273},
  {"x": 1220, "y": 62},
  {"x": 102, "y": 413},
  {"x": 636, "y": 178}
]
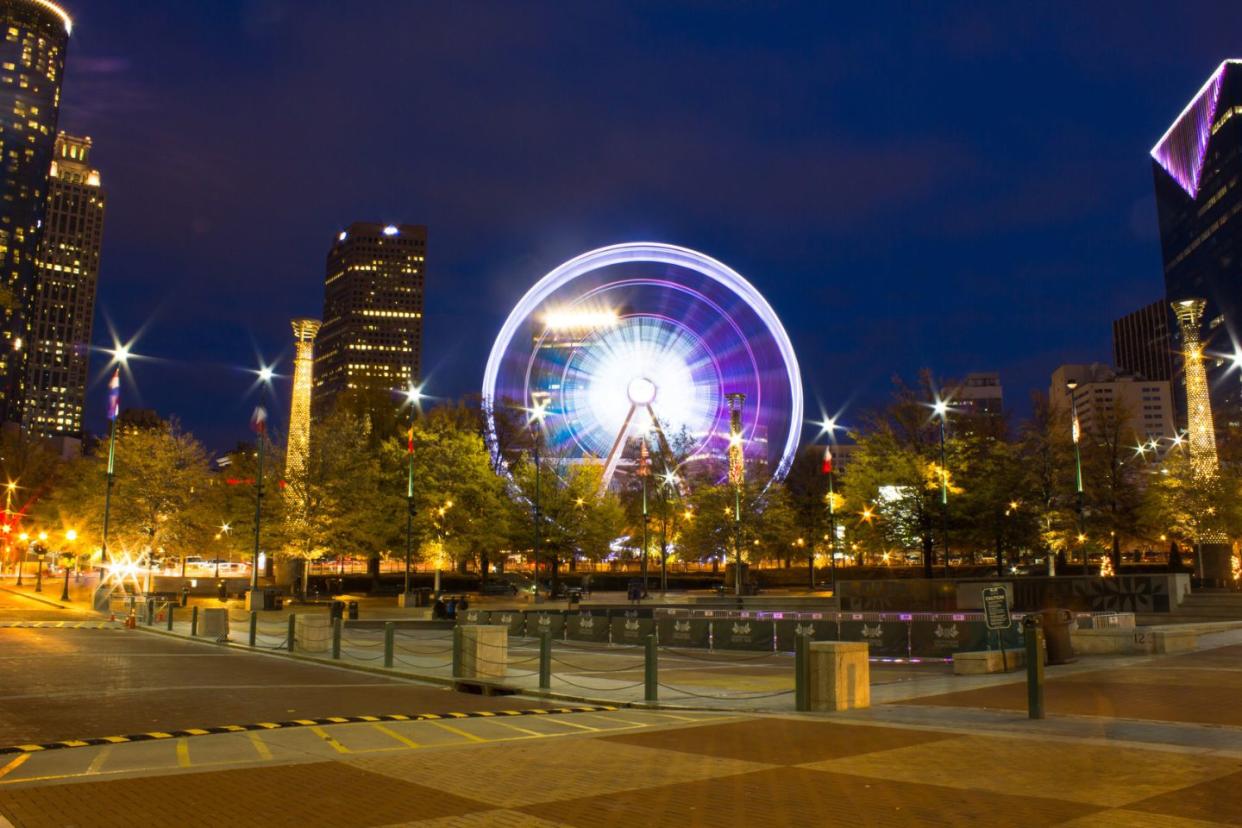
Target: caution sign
[{"x": 996, "y": 608}]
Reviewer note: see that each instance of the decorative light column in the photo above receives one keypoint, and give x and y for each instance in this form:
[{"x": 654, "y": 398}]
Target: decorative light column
[
  {"x": 737, "y": 476},
  {"x": 942, "y": 411},
  {"x": 304, "y": 331}
]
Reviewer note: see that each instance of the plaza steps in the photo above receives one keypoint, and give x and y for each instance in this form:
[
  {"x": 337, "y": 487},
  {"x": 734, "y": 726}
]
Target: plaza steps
[{"x": 1200, "y": 605}]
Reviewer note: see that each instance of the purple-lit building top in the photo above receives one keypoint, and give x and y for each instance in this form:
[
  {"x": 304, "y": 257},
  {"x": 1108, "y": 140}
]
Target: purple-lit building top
[{"x": 1198, "y": 179}]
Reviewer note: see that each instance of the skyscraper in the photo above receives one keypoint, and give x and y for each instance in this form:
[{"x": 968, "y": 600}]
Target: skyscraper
[
  {"x": 62, "y": 303},
  {"x": 32, "y": 61},
  {"x": 372, "y": 311},
  {"x": 1198, "y": 168},
  {"x": 1141, "y": 343},
  {"x": 1105, "y": 397}
]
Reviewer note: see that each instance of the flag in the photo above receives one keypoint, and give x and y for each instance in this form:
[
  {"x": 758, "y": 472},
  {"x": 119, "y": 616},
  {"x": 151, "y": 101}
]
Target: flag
[
  {"x": 410, "y": 434},
  {"x": 1075, "y": 430},
  {"x": 258, "y": 420},
  {"x": 644, "y": 460},
  {"x": 114, "y": 395},
  {"x": 827, "y": 460}
]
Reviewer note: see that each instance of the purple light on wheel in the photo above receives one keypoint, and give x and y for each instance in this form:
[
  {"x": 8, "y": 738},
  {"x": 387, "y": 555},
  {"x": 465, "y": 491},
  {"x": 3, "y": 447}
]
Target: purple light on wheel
[{"x": 632, "y": 337}]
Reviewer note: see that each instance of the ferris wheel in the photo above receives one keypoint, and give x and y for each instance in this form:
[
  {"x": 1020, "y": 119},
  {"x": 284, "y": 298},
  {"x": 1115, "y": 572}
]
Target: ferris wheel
[{"x": 649, "y": 343}]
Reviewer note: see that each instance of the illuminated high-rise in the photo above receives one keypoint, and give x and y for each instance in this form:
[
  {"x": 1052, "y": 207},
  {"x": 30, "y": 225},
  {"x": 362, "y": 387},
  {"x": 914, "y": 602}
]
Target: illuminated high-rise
[
  {"x": 33, "y": 37},
  {"x": 372, "y": 311},
  {"x": 62, "y": 303},
  {"x": 298, "y": 448},
  {"x": 1198, "y": 170}
]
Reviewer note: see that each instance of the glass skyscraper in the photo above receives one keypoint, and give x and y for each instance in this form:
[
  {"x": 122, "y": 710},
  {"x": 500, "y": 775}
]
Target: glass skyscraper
[
  {"x": 1198, "y": 172},
  {"x": 62, "y": 303},
  {"x": 372, "y": 332},
  {"x": 32, "y": 62}
]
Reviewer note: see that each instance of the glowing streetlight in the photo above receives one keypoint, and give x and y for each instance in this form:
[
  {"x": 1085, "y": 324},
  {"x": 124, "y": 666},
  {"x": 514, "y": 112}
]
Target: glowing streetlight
[
  {"x": 941, "y": 409},
  {"x": 70, "y": 535},
  {"x": 1076, "y": 433},
  {"x": 413, "y": 396}
]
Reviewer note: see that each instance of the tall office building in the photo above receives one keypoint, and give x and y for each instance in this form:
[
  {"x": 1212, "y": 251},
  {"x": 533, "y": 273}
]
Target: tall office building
[
  {"x": 372, "y": 329},
  {"x": 1198, "y": 177},
  {"x": 979, "y": 393},
  {"x": 63, "y": 300},
  {"x": 1141, "y": 343},
  {"x": 32, "y": 61}
]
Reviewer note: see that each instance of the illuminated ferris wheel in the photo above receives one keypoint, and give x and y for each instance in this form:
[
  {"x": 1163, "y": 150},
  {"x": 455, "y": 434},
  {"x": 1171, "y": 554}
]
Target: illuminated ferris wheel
[{"x": 647, "y": 343}]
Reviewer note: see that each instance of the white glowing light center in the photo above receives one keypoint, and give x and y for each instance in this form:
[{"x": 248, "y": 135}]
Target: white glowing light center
[{"x": 641, "y": 391}]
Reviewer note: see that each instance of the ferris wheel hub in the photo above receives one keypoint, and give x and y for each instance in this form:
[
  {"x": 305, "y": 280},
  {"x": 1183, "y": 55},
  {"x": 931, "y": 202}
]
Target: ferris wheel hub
[{"x": 641, "y": 391}]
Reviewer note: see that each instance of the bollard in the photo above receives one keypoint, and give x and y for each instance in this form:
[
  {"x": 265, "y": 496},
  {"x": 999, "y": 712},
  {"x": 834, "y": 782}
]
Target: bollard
[
  {"x": 651, "y": 671},
  {"x": 456, "y": 652},
  {"x": 802, "y": 672},
  {"x": 254, "y": 626},
  {"x": 150, "y": 613},
  {"x": 545, "y": 660},
  {"x": 194, "y": 621},
  {"x": 336, "y": 637},
  {"x": 170, "y": 617},
  {"x": 389, "y": 630},
  {"x": 1034, "y": 666},
  {"x": 292, "y": 628}
]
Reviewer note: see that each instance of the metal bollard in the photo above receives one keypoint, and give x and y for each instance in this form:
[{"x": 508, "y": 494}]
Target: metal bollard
[
  {"x": 150, "y": 613},
  {"x": 254, "y": 626},
  {"x": 651, "y": 689},
  {"x": 194, "y": 621},
  {"x": 289, "y": 642},
  {"x": 545, "y": 660},
  {"x": 456, "y": 652},
  {"x": 170, "y": 617},
  {"x": 336, "y": 637},
  {"x": 390, "y": 630},
  {"x": 1034, "y": 634},
  {"x": 802, "y": 672}
]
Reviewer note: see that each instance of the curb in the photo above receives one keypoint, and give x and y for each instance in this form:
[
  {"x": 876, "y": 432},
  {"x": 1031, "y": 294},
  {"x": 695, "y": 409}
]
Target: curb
[
  {"x": 38, "y": 598},
  {"x": 324, "y": 720}
]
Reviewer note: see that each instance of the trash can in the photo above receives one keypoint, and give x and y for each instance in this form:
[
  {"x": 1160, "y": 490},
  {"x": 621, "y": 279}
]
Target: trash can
[
  {"x": 353, "y": 610},
  {"x": 271, "y": 599},
  {"x": 1056, "y": 624},
  {"x": 336, "y": 609}
]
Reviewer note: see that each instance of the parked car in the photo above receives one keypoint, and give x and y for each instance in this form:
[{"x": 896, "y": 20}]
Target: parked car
[{"x": 498, "y": 586}]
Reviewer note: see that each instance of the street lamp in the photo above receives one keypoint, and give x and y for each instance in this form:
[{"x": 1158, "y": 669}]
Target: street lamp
[
  {"x": 71, "y": 535},
  {"x": 737, "y": 472},
  {"x": 413, "y": 396},
  {"x": 829, "y": 425},
  {"x": 120, "y": 356},
  {"x": 1076, "y": 433},
  {"x": 941, "y": 409},
  {"x": 39, "y": 564},
  {"x": 537, "y": 416},
  {"x": 258, "y": 422}
]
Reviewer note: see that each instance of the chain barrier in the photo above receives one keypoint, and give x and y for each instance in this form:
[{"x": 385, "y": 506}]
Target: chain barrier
[
  {"x": 723, "y": 660},
  {"x": 354, "y": 642},
  {"x": 363, "y": 657},
  {"x": 685, "y": 692},
  {"x": 599, "y": 689},
  {"x": 582, "y": 669},
  {"x": 603, "y": 649},
  {"x": 423, "y": 666},
  {"x": 413, "y": 651}
]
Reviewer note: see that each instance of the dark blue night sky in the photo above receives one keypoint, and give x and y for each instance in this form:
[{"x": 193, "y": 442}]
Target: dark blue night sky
[{"x": 952, "y": 186}]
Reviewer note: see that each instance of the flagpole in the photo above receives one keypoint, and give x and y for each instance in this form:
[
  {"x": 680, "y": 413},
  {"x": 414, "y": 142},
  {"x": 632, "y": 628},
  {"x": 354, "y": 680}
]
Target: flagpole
[
  {"x": 114, "y": 405},
  {"x": 1075, "y": 432},
  {"x": 409, "y": 507},
  {"x": 258, "y": 501}
]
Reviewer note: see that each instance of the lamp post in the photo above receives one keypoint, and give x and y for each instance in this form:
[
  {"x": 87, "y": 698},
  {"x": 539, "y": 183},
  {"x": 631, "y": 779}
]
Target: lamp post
[
  {"x": 737, "y": 471},
  {"x": 8, "y": 525},
  {"x": 644, "y": 471},
  {"x": 22, "y": 539},
  {"x": 71, "y": 535},
  {"x": 830, "y": 426},
  {"x": 536, "y": 419},
  {"x": 1076, "y": 433},
  {"x": 258, "y": 422},
  {"x": 120, "y": 355},
  {"x": 942, "y": 411},
  {"x": 39, "y": 563},
  {"x": 412, "y": 396}
]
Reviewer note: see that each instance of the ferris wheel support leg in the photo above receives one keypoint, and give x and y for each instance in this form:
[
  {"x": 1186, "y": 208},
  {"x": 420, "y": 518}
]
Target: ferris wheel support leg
[{"x": 614, "y": 456}]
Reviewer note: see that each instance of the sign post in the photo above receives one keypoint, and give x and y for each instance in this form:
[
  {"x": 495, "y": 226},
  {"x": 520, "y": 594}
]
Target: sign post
[{"x": 996, "y": 616}]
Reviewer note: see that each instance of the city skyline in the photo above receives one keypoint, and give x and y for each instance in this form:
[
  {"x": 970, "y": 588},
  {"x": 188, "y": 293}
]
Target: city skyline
[{"x": 829, "y": 257}]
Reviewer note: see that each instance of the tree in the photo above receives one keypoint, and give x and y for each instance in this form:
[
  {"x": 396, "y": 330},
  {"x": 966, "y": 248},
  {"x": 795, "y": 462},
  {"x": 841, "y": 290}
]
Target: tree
[
  {"x": 766, "y": 530},
  {"x": 1046, "y": 455}
]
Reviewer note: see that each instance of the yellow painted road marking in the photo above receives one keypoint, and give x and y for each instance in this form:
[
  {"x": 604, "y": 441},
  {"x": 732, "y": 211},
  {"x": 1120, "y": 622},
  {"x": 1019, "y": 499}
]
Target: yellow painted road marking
[
  {"x": 197, "y": 731},
  {"x": 16, "y": 763},
  {"x": 30, "y": 748},
  {"x": 520, "y": 729},
  {"x": 579, "y": 726},
  {"x": 459, "y": 732},
  {"x": 116, "y": 740},
  {"x": 323, "y": 734},
  {"x": 388, "y": 731},
  {"x": 98, "y": 762},
  {"x": 262, "y": 749},
  {"x": 183, "y": 752}
]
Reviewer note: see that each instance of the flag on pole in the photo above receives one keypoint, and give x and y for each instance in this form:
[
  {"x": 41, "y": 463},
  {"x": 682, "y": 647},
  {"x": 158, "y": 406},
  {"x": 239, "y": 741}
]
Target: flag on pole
[
  {"x": 827, "y": 460},
  {"x": 410, "y": 447},
  {"x": 258, "y": 420},
  {"x": 114, "y": 395},
  {"x": 1075, "y": 430}
]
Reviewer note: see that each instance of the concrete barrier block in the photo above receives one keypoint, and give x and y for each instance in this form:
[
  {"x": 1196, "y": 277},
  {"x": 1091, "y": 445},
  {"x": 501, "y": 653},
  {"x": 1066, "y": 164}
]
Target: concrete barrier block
[
  {"x": 840, "y": 675},
  {"x": 484, "y": 648},
  {"x": 988, "y": 661},
  {"x": 214, "y": 623},
  {"x": 312, "y": 633}
]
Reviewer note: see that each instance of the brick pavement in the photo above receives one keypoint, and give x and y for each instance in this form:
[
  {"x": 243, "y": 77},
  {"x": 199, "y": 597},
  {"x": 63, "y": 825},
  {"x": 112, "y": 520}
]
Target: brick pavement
[{"x": 771, "y": 771}]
